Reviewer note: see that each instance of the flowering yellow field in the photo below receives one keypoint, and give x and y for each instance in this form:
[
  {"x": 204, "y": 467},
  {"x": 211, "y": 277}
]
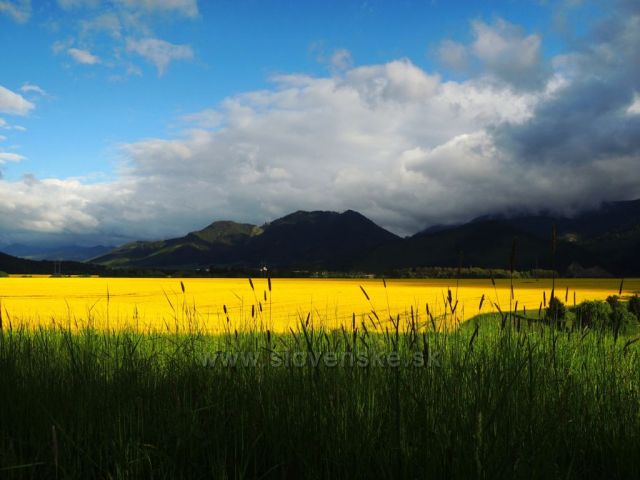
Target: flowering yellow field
[{"x": 160, "y": 304}]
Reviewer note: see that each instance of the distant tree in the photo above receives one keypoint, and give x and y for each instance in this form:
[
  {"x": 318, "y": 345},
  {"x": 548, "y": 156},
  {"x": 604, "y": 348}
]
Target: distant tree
[
  {"x": 556, "y": 312},
  {"x": 593, "y": 314},
  {"x": 634, "y": 306},
  {"x": 609, "y": 315},
  {"x": 613, "y": 301},
  {"x": 620, "y": 314}
]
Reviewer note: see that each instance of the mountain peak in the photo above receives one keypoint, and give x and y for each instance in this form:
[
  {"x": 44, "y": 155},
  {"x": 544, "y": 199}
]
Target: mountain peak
[
  {"x": 306, "y": 215},
  {"x": 312, "y": 216},
  {"x": 226, "y": 231}
]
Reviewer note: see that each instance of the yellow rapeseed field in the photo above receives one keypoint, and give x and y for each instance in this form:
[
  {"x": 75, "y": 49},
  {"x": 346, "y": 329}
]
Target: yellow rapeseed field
[{"x": 160, "y": 304}]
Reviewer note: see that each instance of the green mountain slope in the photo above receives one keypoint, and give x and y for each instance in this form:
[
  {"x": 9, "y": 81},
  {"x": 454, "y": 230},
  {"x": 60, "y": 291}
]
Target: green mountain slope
[{"x": 218, "y": 242}]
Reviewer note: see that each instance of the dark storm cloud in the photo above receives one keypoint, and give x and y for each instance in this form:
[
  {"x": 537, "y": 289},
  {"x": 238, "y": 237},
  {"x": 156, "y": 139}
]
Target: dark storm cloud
[
  {"x": 589, "y": 120},
  {"x": 586, "y": 121}
]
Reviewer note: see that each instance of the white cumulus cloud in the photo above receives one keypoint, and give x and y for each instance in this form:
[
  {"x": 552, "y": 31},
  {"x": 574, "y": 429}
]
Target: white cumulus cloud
[
  {"x": 10, "y": 157},
  {"x": 14, "y": 103},
  {"x": 338, "y": 142},
  {"x": 83, "y": 56},
  {"x": 19, "y": 10},
  {"x": 501, "y": 50},
  {"x": 116, "y": 27},
  {"x": 188, "y": 8},
  {"x": 453, "y": 54},
  {"x": 70, "y": 4},
  {"x": 159, "y": 52},
  {"x": 31, "y": 88},
  {"x": 634, "y": 108},
  {"x": 341, "y": 59}
]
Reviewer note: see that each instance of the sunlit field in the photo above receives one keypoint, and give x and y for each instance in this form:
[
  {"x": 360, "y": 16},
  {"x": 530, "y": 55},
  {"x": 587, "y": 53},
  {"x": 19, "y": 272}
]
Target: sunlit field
[{"x": 162, "y": 304}]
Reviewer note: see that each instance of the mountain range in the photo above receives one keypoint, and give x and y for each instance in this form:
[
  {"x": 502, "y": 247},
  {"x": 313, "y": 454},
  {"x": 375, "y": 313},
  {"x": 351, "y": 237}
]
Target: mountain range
[
  {"x": 16, "y": 265},
  {"x": 602, "y": 241},
  {"x": 76, "y": 253}
]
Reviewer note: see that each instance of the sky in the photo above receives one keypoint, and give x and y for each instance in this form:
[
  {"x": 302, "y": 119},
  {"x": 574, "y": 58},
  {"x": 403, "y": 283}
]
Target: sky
[{"x": 145, "y": 119}]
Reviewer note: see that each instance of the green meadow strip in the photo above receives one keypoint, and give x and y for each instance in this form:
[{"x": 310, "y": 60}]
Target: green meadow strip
[{"x": 499, "y": 397}]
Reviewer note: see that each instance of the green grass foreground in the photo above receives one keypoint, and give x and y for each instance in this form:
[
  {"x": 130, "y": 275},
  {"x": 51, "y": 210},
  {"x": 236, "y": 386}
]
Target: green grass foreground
[{"x": 526, "y": 401}]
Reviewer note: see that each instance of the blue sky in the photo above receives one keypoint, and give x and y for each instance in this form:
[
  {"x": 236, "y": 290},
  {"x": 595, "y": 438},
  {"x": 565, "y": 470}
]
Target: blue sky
[{"x": 117, "y": 99}]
